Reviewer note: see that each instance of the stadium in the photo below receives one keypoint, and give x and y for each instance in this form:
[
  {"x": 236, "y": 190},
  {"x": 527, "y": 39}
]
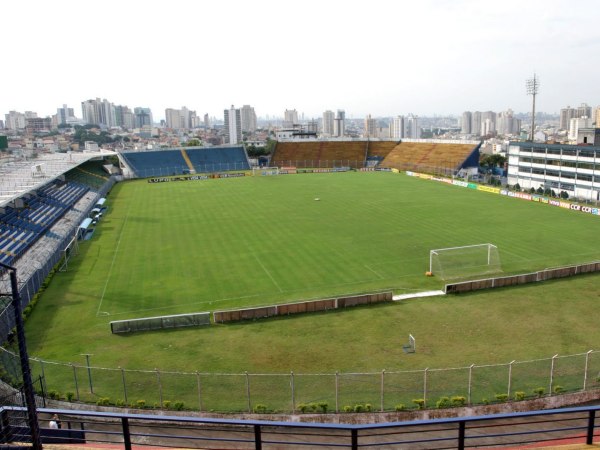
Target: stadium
[{"x": 187, "y": 279}]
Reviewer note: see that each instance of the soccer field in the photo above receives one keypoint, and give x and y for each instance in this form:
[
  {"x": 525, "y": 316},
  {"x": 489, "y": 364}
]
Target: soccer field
[{"x": 182, "y": 247}]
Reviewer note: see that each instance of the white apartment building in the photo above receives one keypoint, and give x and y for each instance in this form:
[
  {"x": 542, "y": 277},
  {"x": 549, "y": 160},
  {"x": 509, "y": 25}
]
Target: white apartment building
[
  {"x": 328, "y": 123},
  {"x": 248, "y": 119},
  {"x": 233, "y": 125}
]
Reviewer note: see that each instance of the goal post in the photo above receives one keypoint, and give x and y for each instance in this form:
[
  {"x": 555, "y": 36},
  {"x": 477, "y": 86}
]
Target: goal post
[
  {"x": 464, "y": 261},
  {"x": 265, "y": 171}
]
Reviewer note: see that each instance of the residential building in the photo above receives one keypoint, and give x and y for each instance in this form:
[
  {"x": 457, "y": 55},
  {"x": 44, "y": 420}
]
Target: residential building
[
  {"x": 370, "y": 127},
  {"x": 584, "y": 110},
  {"x": 248, "y": 119},
  {"x": 465, "y": 124},
  {"x": 339, "y": 123},
  {"x": 328, "y": 123},
  {"x": 476, "y": 123},
  {"x": 597, "y": 117},
  {"x": 566, "y": 114},
  {"x": 290, "y": 118},
  {"x": 398, "y": 128},
  {"x": 15, "y": 121},
  {"x": 507, "y": 124},
  {"x": 414, "y": 130},
  {"x": 64, "y": 114},
  {"x": 233, "y": 125}
]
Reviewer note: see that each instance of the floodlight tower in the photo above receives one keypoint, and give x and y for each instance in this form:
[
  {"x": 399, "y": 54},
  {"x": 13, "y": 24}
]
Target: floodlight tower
[{"x": 533, "y": 85}]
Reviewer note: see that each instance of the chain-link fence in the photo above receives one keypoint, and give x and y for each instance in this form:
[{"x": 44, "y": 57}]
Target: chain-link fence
[{"x": 294, "y": 392}]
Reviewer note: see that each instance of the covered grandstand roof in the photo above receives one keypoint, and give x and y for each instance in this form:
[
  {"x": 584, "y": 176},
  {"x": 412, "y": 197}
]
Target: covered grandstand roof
[{"x": 20, "y": 176}]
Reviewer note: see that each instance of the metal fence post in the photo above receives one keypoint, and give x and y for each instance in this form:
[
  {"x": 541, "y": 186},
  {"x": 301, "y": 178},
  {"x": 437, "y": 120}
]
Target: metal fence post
[
  {"x": 425, "y": 387},
  {"x": 160, "y": 394},
  {"x": 552, "y": 373},
  {"x": 199, "y": 390},
  {"x": 124, "y": 385},
  {"x": 510, "y": 365},
  {"x": 75, "y": 378},
  {"x": 585, "y": 372},
  {"x": 469, "y": 387},
  {"x": 292, "y": 386},
  {"x": 248, "y": 391},
  {"x": 382, "y": 388},
  {"x": 337, "y": 397}
]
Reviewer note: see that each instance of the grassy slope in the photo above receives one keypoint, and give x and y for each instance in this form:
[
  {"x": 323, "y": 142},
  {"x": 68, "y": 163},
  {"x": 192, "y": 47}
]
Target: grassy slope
[{"x": 376, "y": 236}]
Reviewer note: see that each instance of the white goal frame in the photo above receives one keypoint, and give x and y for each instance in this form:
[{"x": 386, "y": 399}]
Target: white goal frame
[
  {"x": 437, "y": 250},
  {"x": 264, "y": 171}
]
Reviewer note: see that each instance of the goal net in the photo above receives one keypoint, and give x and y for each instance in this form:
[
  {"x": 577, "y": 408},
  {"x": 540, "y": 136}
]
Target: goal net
[
  {"x": 265, "y": 171},
  {"x": 462, "y": 262}
]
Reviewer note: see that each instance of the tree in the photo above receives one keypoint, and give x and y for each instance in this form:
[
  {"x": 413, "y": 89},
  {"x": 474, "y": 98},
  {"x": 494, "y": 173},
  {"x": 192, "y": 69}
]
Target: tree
[
  {"x": 518, "y": 187},
  {"x": 193, "y": 143},
  {"x": 494, "y": 160}
]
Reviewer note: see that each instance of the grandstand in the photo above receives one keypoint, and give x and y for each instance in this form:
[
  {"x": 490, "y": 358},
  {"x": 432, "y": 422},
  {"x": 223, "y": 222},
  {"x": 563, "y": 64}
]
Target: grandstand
[
  {"x": 41, "y": 204},
  {"x": 422, "y": 155},
  {"x": 444, "y": 157},
  {"x": 177, "y": 161}
]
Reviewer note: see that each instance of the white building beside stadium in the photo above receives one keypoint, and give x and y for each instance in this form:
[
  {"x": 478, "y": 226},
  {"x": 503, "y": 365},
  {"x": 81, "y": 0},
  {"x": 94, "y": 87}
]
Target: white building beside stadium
[{"x": 571, "y": 168}]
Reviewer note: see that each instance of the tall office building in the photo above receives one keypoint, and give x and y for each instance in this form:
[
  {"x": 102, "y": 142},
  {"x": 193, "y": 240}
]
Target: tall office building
[
  {"x": 142, "y": 117},
  {"x": 370, "y": 127},
  {"x": 328, "y": 120},
  {"x": 233, "y": 125},
  {"x": 465, "y": 124},
  {"x": 248, "y": 119},
  {"x": 290, "y": 118},
  {"x": 339, "y": 123},
  {"x": 414, "y": 130},
  {"x": 398, "y": 128},
  {"x": 566, "y": 114}
]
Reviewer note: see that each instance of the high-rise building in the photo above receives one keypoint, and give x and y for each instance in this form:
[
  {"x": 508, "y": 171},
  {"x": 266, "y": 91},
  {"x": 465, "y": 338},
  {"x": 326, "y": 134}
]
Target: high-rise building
[
  {"x": 233, "y": 125},
  {"x": 124, "y": 117},
  {"x": 328, "y": 120},
  {"x": 398, "y": 128},
  {"x": 584, "y": 110},
  {"x": 476, "y": 123},
  {"x": 206, "y": 121},
  {"x": 414, "y": 130},
  {"x": 566, "y": 114},
  {"x": 99, "y": 112},
  {"x": 142, "y": 117},
  {"x": 64, "y": 114},
  {"x": 339, "y": 123},
  {"x": 506, "y": 123},
  {"x": 370, "y": 127},
  {"x": 465, "y": 124},
  {"x": 173, "y": 119},
  {"x": 290, "y": 118},
  {"x": 15, "y": 120},
  {"x": 488, "y": 123},
  {"x": 597, "y": 117},
  {"x": 248, "y": 119}
]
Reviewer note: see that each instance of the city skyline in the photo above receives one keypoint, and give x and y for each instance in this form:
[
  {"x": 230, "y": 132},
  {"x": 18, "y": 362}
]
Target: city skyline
[{"x": 384, "y": 59}]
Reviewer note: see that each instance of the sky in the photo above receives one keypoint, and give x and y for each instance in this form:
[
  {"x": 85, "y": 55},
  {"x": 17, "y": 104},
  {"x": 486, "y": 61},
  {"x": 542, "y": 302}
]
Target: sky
[{"x": 378, "y": 57}]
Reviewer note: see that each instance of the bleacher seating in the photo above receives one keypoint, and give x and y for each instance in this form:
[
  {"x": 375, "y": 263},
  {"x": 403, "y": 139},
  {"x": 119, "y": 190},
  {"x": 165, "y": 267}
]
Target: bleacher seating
[
  {"x": 172, "y": 162},
  {"x": 156, "y": 163},
  {"x": 20, "y": 228},
  {"x": 218, "y": 159},
  {"x": 320, "y": 154},
  {"x": 431, "y": 157}
]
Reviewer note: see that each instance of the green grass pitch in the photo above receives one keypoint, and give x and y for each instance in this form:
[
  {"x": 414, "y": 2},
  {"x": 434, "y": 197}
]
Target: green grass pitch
[{"x": 180, "y": 247}]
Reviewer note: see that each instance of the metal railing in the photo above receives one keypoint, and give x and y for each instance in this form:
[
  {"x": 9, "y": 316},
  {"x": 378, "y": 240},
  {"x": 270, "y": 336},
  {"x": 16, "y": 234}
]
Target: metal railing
[{"x": 552, "y": 427}]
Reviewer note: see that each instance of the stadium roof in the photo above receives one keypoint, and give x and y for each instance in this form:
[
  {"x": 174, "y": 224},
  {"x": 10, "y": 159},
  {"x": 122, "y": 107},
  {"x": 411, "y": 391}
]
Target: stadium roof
[{"x": 18, "y": 177}]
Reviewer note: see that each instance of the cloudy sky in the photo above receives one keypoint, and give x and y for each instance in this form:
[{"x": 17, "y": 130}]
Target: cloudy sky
[{"x": 368, "y": 57}]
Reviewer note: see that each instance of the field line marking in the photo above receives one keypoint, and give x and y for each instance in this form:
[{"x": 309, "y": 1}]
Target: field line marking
[
  {"x": 267, "y": 272},
  {"x": 381, "y": 277},
  {"x": 112, "y": 263}
]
